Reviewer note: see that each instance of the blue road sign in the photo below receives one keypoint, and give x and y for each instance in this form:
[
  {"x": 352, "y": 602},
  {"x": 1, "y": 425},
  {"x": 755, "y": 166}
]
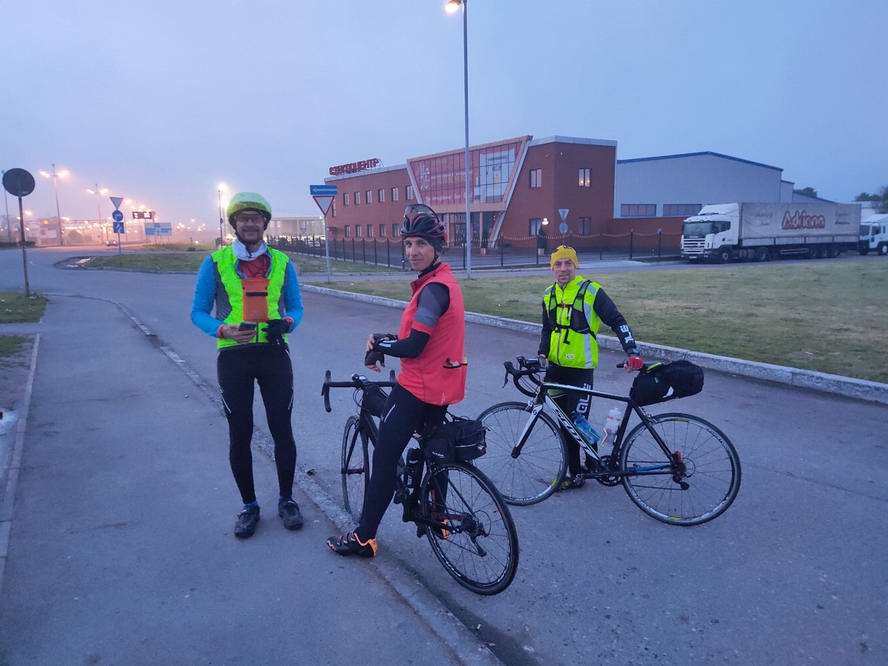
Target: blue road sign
[
  {"x": 117, "y": 216},
  {"x": 118, "y": 227},
  {"x": 322, "y": 190}
]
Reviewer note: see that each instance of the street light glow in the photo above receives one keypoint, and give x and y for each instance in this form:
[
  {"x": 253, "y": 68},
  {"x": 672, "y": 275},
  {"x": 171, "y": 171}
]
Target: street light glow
[
  {"x": 452, "y": 6},
  {"x": 45, "y": 174},
  {"x": 223, "y": 188}
]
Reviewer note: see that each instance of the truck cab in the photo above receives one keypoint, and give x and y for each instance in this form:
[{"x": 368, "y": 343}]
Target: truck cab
[
  {"x": 874, "y": 235},
  {"x": 711, "y": 234}
]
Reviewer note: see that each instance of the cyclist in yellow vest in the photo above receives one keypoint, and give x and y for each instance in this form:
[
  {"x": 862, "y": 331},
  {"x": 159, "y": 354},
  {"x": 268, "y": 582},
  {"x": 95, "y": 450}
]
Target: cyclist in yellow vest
[
  {"x": 573, "y": 310},
  {"x": 255, "y": 292}
]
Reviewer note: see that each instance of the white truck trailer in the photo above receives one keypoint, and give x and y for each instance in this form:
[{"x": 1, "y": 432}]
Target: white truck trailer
[{"x": 763, "y": 231}]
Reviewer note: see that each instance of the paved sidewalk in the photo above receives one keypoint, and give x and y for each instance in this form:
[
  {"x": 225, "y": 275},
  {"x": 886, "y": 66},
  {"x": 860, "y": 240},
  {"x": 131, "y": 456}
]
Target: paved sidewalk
[{"x": 121, "y": 548}]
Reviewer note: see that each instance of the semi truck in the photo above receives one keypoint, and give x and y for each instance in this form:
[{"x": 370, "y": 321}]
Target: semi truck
[{"x": 764, "y": 231}]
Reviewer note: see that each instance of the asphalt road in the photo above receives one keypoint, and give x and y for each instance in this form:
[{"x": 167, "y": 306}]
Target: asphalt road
[{"x": 795, "y": 572}]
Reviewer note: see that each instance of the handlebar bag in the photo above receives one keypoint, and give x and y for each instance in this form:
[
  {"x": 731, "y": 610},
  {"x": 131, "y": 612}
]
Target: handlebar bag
[{"x": 459, "y": 440}]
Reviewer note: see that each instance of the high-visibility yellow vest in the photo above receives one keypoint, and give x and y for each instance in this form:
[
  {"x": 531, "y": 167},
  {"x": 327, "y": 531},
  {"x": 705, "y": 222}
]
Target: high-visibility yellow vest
[
  {"x": 226, "y": 266},
  {"x": 571, "y": 315}
]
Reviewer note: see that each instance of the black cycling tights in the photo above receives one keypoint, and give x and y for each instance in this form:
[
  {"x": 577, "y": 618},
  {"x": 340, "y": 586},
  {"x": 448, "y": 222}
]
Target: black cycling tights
[
  {"x": 570, "y": 403},
  {"x": 404, "y": 414},
  {"x": 239, "y": 370}
]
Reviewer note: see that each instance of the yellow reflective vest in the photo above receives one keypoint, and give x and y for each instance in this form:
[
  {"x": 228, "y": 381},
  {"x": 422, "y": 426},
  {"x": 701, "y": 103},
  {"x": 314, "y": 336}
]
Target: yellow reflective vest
[
  {"x": 233, "y": 290},
  {"x": 570, "y": 313}
]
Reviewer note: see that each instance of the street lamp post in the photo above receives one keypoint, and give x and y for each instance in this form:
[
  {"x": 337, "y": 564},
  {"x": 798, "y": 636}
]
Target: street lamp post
[
  {"x": 452, "y": 7},
  {"x": 99, "y": 193},
  {"x": 222, "y": 188},
  {"x": 6, "y": 202},
  {"x": 55, "y": 187}
]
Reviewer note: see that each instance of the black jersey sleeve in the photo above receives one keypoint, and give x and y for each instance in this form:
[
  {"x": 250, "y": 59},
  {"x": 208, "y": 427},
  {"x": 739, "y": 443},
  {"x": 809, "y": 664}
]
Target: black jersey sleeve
[{"x": 607, "y": 311}]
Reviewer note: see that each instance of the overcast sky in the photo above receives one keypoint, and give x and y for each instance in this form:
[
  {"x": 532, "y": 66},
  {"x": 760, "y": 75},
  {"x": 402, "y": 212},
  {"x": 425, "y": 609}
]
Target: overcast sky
[{"x": 161, "y": 100}]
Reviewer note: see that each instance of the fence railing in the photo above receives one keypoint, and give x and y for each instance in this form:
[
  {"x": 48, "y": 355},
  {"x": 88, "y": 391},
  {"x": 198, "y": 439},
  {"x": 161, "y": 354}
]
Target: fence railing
[{"x": 508, "y": 251}]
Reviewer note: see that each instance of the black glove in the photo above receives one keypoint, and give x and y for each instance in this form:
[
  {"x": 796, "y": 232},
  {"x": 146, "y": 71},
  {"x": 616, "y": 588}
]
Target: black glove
[
  {"x": 275, "y": 329},
  {"x": 378, "y": 337},
  {"x": 373, "y": 357}
]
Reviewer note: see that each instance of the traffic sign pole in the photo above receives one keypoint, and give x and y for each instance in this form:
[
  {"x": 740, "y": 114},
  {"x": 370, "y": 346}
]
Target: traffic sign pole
[
  {"x": 24, "y": 254},
  {"x": 323, "y": 196}
]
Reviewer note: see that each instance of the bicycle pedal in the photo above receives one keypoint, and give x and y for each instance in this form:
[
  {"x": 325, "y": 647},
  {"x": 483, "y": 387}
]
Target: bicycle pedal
[{"x": 420, "y": 531}]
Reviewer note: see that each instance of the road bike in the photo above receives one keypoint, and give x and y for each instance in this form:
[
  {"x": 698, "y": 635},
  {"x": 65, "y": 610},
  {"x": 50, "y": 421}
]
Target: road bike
[
  {"x": 452, "y": 503},
  {"x": 677, "y": 468}
]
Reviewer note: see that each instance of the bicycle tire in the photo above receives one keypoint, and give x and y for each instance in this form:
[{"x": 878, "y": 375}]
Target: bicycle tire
[
  {"x": 699, "y": 441},
  {"x": 482, "y": 539},
  {"x": 355, "y": 468},
  {"x": 536, "y": 473}
]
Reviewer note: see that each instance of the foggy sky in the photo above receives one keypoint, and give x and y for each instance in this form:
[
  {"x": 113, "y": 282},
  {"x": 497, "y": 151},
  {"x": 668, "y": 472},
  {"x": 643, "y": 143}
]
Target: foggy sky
[{"x": 161, "y": 100}]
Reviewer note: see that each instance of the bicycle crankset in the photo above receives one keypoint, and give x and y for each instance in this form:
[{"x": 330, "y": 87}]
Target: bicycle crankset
[{"x": 606, "y": 479}]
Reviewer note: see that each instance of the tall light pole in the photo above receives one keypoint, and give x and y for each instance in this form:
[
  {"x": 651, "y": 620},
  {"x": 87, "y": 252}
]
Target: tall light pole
[
  {"x": 99, "y": 193},
  {"x": 223, "y": 188},
  {"x": 452, "y": 7},
  {"x": 55, "y": 175},
  {"x": 6, "y": 202}
]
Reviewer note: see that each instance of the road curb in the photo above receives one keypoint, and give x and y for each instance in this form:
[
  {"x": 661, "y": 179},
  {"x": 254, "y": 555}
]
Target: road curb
[
  {"x": 15, "y": 463},
  {"x": 849, "y": 387},
  {"x": 441, "y": 622}
]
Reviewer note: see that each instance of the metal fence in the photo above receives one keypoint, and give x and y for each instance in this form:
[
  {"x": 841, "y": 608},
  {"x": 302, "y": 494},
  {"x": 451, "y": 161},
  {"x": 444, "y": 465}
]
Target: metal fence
[{"x": 514, "y": 252}]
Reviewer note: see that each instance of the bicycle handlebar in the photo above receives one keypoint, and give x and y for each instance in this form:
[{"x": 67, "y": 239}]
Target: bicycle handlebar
[
  {"x": 359, "y": 382},
  {"x": 529, "y": 368}
]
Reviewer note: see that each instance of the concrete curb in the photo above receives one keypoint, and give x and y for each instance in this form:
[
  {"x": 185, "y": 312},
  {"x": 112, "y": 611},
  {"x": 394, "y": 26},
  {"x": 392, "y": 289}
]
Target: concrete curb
[
  {"x": 858, "y": 389},
  {"x": 15, "y": 463},
  {"x": 453, "y": 633}
]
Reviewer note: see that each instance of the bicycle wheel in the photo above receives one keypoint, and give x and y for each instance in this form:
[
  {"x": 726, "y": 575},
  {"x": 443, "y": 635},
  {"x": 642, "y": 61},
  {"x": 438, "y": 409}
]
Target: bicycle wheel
[
  {"x": 476, "y": 539},
  {"x": 712, "y": 470},
  {"x": 536, "y": 473},
  {"x": 355, "y": 468}
]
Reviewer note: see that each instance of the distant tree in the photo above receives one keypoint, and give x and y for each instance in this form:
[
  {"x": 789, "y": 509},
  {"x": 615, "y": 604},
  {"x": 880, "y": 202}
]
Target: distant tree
[
  {"x": 808, "y": 192},
  {"x": 866, "y": 196},
  {"x": 883, "y": 197}
]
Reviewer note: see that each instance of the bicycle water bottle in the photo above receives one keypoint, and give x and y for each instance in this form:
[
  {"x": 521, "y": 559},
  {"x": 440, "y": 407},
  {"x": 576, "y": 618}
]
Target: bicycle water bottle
[
  {"x": 581, "y": 423},
  {"x": 614, "y": 416},
  {"x": 414, "y": 466}
]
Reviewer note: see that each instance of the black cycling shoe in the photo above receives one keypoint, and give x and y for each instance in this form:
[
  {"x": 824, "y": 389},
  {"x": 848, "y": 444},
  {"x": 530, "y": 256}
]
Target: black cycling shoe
[
  {"x": 246, "y": 523},
  {"x": 288, "y": 510},
  {"x": 349, "y": 544}
]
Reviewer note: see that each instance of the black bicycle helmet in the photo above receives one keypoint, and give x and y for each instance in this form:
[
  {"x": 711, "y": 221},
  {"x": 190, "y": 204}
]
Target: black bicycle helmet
[{"x": 421, "y": 221}]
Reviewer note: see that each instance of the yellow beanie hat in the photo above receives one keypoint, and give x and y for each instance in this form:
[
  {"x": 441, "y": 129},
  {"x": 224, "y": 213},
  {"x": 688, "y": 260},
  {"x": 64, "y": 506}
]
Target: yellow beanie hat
[{"x": 563, "y": 252}]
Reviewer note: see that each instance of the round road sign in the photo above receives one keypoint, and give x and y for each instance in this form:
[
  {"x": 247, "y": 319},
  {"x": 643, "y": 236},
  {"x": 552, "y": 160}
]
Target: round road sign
[
  {"x": 18, "y": 182},
  {"x": 117, "y": 216},
  {"x": 562, "y": 228}
]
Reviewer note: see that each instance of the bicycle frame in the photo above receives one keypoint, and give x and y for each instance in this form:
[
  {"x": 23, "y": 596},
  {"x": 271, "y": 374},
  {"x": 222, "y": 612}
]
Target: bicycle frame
[{"x": 543, "y": 399}]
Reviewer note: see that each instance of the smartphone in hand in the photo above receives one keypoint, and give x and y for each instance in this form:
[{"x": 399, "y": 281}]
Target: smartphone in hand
[{"x": 246, "y": 326}]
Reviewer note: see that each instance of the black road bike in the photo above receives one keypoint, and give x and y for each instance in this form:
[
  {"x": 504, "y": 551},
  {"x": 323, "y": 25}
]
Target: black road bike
[
  {"x": 453, "y": 504},
  {"x": 677, "y": 468}
]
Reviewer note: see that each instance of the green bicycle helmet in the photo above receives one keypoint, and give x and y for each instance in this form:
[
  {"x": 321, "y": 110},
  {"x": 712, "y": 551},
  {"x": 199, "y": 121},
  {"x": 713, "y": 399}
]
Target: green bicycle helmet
[{"x": 248, "y": 201}]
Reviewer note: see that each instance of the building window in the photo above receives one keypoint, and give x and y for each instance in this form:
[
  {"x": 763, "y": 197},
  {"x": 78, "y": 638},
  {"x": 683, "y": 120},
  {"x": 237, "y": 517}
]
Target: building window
[
  {"x": 409, "y": 192},
  {"x": 396, "y": 192},
  {"x": 369, "y": 231},
  {"x": 348, "y": 230},
  {"x": 333, "y": 207},
  {"x": 357, "y": 198},
  {"x": 536, "y": 178},
  {"x": 382, "y": 231},
  {"x": 638, "y": 210},
  {"x": 359, "y": 231},
  {"x": 395, "y": 230},
  {"x": 585, "y": 178},
  {"x": 368, "y": 196},
  {"x": 380, "y": 195},
  {"x": 681, "y": 210},
  {"x": 345, "y": 199},
  {"x": 585, "y": 226},
  {"x": 535, "y": 225}
]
